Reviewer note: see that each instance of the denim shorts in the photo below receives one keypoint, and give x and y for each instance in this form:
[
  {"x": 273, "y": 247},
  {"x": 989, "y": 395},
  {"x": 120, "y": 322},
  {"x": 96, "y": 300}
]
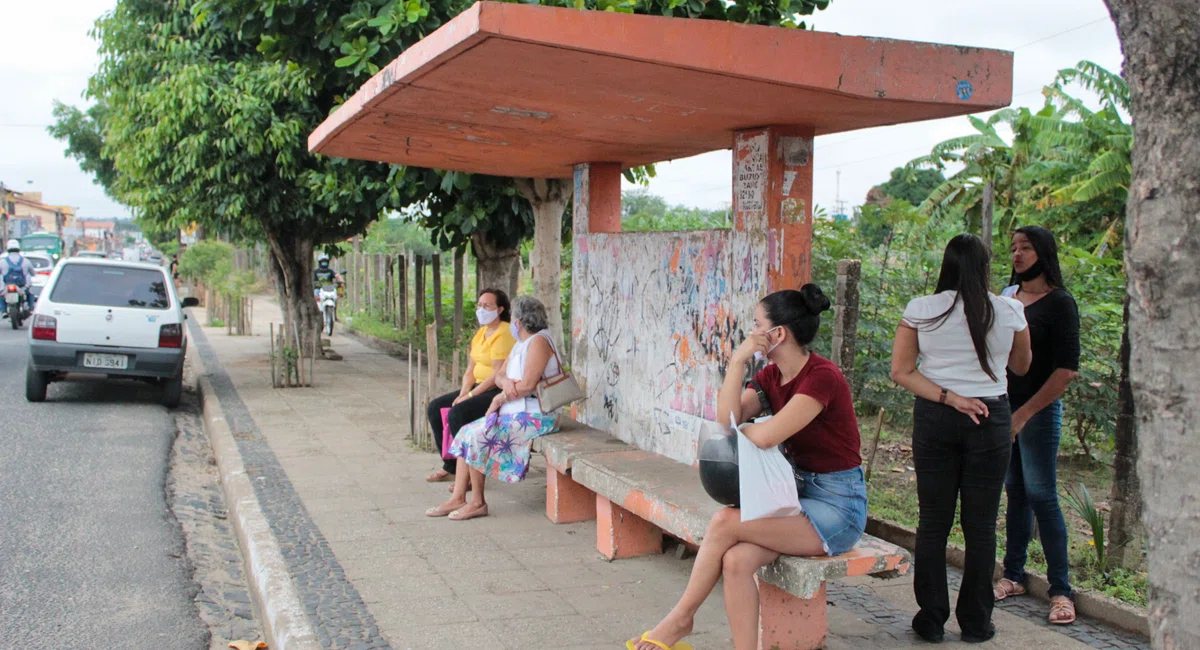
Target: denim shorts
[{"x": 836, "y": 504}]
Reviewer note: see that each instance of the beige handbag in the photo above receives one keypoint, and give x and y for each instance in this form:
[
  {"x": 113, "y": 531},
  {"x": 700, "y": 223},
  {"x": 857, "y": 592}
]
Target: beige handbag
[{"x": 559, "y": 390}]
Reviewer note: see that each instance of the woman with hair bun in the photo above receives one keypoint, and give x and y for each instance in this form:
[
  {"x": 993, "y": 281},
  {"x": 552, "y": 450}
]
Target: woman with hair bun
[{"x": 815, "y": 427}]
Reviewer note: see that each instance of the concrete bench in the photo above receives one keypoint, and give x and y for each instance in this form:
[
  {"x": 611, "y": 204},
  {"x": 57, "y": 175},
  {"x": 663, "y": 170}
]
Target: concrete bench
[{"x": 639, "y": 495}]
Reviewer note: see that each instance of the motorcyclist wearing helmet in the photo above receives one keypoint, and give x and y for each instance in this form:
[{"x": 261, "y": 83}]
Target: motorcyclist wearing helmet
[
  {"x": 15, "y": 269},
  {"x": 324, "y": 275}
]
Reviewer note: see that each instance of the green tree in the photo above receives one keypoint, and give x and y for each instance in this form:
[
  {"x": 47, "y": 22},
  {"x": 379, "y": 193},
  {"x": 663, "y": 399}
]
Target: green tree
[
  {"x": 912, "y": 185},
  {"x": 83, "y": 133},
  {"x": 207, "y": 110}
]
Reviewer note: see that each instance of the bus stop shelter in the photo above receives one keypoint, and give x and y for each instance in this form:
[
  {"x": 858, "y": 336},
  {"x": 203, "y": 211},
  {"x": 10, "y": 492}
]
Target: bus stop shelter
[{"x": 539, "y": 92}]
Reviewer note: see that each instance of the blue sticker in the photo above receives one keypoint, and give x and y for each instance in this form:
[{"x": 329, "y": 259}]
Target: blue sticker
[{"x": 964, "y": 90}]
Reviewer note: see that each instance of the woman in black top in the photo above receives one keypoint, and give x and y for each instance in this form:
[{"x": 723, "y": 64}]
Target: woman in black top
[{"x": 1031, "y": 484}]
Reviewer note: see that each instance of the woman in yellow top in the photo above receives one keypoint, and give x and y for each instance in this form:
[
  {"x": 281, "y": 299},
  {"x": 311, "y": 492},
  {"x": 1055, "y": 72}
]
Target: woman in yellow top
[{"x": 489, "y": 349}]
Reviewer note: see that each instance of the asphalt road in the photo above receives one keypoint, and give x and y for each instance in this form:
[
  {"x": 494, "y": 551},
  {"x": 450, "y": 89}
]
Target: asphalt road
[{"x": 90, "y": 556}]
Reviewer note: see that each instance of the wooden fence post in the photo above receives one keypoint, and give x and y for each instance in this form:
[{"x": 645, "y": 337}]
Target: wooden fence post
[
  {"x": 437, "y": 289},
  {"x": 845, "y": 320},
  {"x": 419, "y": 305},
  {"x": 458, "y": 296},
  {"x": 403, "y": 283}
]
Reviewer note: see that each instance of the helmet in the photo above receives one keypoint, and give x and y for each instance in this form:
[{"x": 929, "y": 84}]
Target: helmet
[
  {"x": 323, "y": 261},
  {"x": 719, "y": 468},
  {"x": 14, "y": 246}
]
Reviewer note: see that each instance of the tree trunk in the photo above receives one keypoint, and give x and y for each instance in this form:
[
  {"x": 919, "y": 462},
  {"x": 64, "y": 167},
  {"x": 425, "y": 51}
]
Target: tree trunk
[
  {"x": 292, "y": 266},
  {"x": 498, "y": 268},
  {"x": 1162, "y": 67},
  {"x": 1125, "y": 524},
  {"x": 548, "y": 197}
]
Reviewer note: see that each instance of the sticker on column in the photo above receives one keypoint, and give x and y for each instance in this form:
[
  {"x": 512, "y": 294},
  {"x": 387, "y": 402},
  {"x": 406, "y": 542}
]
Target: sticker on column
[
  {"x": 750, "y": 173},
  {"x": 964, "y": 90}
]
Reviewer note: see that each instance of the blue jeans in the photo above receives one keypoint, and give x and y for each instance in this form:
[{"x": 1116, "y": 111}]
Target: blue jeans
[
  {"x": 836, "y": 504},
  {"x": 1032, "y": 488}
]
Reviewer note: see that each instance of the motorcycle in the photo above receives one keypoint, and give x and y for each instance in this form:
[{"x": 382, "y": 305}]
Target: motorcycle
[
  {"x": 327, "y": 299},
  {"x": 16, "y": 309}
]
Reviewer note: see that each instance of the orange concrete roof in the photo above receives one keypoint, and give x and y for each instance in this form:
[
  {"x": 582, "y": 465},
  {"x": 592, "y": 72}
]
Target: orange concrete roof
[{"x": 521, "y": 90}]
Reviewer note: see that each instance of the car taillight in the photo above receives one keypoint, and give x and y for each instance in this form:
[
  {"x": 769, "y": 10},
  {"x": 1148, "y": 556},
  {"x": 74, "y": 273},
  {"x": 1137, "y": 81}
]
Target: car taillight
[
  {"x": 45, "y": 328},
  {"x": 170, "y": 336},
  {"x": 43, "y": 272}
]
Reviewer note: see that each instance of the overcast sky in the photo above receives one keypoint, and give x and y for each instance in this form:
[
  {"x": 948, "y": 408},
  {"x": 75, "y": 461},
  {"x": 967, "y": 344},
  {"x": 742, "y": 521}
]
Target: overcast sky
[{"x": 46, "y": 54}]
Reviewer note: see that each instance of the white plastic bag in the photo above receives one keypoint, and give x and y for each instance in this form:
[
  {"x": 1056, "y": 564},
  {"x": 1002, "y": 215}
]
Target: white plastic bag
[{"x": 765, "y": 481}]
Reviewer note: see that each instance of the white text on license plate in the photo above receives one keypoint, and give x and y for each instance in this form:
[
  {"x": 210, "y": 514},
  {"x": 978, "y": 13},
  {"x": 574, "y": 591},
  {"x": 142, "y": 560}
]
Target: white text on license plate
[{"x": 106, "y": 361}]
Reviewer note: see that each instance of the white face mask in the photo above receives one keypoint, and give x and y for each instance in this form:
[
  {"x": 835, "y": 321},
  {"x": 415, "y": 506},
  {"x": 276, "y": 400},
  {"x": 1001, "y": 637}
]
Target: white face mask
[
  {"x": 487, "y": 316},
  {"x": 763, "y": 357},
  {"x": 516, "y": 331}
]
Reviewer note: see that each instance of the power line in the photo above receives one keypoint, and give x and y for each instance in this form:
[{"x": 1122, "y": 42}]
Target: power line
[
  {"x": 1064, "y": 32},
  {"x": 26, "y": 126}
]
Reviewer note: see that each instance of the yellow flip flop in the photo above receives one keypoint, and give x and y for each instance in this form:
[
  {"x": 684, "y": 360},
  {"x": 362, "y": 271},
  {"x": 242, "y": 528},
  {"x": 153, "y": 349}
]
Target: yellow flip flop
[{"x": 682, "y": 645}]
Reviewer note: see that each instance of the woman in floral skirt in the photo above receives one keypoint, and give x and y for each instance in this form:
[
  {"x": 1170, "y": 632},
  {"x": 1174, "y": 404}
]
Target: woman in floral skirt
[{"x": 498, "y": 445}]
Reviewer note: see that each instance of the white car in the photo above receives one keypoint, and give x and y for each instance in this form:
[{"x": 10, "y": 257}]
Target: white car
[
  {"x": 112, "y": 318},
  {"x": 43, "y": 266}
]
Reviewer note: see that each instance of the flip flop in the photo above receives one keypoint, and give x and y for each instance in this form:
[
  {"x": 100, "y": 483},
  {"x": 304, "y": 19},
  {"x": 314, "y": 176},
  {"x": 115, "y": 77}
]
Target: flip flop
[
  {"x": 682, "y": 645},
  {"x": 440, "y": 476},
  {"x": 460, "y": 515}
]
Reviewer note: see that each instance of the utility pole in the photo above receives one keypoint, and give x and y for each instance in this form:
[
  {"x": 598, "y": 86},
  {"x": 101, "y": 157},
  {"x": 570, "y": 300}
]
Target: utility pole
[{"x": 4, "y": 210}]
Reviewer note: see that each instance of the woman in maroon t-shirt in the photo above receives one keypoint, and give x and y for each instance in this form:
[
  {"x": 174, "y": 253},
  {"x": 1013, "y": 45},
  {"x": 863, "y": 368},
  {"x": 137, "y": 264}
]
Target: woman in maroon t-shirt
[{"x": 815, "y": 426}]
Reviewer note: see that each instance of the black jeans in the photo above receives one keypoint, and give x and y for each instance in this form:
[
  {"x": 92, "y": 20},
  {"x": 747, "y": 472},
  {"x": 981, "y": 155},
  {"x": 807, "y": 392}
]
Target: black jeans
[
  {"x": 954, "y": 457},
  {"x": 468, "y": 410}
]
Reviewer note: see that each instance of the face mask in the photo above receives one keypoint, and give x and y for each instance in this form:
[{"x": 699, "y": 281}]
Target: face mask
[
  {"x": 763, "y": 357},
  {"x": 516, "y": 331},
  {"x": 487, "y": 316},
  {"x": 1032, "y": 272}
]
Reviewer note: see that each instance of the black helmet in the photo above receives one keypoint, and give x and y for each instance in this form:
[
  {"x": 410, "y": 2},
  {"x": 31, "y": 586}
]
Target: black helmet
[{"x": 719, "y": 469}]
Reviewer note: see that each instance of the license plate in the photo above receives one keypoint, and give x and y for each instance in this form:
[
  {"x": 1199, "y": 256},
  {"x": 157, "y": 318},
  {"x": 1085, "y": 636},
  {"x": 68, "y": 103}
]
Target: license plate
[
  {"x": 105, "y": 361},
  {"x": 12, "y": 298}
]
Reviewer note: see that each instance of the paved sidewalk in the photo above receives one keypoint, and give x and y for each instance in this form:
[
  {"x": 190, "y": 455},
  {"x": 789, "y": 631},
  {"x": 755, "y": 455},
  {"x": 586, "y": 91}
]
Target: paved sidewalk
[{"x": 345, "y": 496}]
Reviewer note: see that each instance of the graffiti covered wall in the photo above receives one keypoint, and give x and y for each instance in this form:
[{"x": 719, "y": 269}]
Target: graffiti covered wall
[{"x": 663, "y": 312}]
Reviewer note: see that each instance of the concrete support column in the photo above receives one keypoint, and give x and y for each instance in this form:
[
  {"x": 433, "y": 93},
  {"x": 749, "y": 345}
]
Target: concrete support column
[
  {"x": 772, "y": 202},
  {"x": 596, "y": 210}
]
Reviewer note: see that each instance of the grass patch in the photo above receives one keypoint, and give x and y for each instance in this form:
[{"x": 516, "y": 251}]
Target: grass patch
[{"x": 372, "y": 325}]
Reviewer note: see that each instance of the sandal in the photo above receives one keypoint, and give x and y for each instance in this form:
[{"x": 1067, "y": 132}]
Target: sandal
[
  {"x": 632, "y": 644},
  {"x": 451, "y": 490},
  {"x": 1062, "y": 611},
  {"x": 1006, "y": 588},
  {"x": 440, "y": 476},
  {"x": 441, "y": 511},
  {"x": 463, "y": 514}
]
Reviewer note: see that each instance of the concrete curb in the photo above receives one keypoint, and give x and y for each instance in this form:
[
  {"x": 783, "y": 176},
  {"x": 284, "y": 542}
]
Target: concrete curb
[
  {"x": 1088, "y": 603},
  {"x": 276, "y": 599}
]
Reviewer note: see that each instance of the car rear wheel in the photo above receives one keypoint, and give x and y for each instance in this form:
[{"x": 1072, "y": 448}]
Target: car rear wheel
[
  {"x": 35, "y": 384},
  {"x": 172, "y": 391}
]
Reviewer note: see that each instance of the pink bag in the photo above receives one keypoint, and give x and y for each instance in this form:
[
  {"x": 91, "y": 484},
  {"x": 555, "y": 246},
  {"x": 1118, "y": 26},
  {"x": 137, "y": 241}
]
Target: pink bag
[{"x": 447, "y": 438}]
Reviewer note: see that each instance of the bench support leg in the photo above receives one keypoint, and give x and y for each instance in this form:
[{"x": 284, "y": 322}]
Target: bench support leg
[
  {"x": 785, "y": 621},
  {"x": 622, "y": 534},
  {"x": 567, "y": 501}
]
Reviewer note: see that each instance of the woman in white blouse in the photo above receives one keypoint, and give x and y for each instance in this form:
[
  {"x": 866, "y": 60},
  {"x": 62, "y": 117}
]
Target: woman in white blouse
[{"x": 950, "y": 351}]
